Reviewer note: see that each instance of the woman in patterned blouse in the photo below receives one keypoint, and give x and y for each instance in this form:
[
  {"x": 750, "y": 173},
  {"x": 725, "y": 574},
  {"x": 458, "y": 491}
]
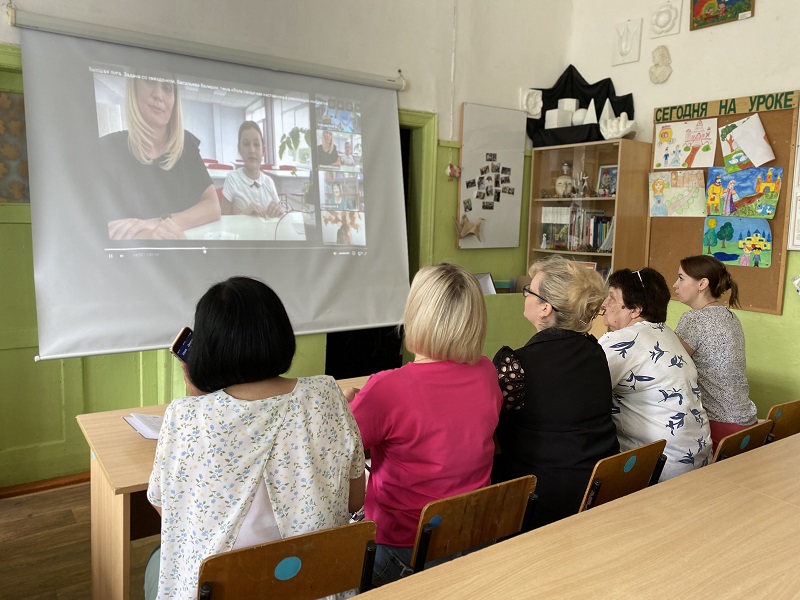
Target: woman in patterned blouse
[{"x": 250, "y": 456}]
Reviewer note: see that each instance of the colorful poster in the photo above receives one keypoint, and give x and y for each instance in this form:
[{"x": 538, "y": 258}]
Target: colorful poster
[
  {"x": 685, "y": 144},
  {"x": 738, "y": 241},
  {"x": 677, "y": 194},
  {"x": 745, "y": 144},
  {"x": 706, "y": 13},
  {"x": 749, "y": 193}
]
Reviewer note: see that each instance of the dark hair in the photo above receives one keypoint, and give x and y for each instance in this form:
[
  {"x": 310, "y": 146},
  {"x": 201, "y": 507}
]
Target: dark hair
[
  {"x": 241, "y": 334},
  {"x": 720, "y": 281},
  {"x": 249, "y": 125},
  {"x": 650, "y": 293}
]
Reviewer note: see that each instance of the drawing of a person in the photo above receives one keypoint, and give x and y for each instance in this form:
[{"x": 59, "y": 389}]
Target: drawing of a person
[
  {"x": 744, "y": 259},
  {"x": 728, "y": 207},
  {"x": 756, "y": 256},
  {"x": 658, "y": 208},
  {"x": 676, "y": 157},
  {"x": 714, "y": 196}
]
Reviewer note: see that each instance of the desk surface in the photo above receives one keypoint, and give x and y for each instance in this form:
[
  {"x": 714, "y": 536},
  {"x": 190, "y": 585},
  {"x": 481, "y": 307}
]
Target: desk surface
[
  {"x": 125, "y": 456},
  {"x": 728, "y": 530},
  {"x": 250, "y": 227}
]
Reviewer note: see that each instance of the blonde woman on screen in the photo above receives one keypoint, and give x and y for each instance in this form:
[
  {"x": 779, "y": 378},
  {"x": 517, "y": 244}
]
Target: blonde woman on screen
[{"x": 158, "y": 184}]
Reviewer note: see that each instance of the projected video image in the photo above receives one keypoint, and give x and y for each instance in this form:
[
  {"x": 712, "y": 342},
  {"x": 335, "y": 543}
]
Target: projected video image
[{"x": 192, "y": 159}]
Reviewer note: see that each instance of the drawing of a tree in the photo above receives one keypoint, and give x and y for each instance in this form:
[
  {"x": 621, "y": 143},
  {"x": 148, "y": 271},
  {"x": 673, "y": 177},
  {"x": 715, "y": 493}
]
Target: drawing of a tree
[
  {"x": 710, "y": 238},
  {"x": 725, "y": 233}
]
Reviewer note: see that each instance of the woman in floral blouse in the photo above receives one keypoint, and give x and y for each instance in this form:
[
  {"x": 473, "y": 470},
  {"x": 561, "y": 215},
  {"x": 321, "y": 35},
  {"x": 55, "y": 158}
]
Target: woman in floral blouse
[{"x": 250, "y": 456}]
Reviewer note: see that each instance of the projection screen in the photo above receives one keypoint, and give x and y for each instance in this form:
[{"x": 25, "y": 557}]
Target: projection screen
[{"x": 129, "y": 232}]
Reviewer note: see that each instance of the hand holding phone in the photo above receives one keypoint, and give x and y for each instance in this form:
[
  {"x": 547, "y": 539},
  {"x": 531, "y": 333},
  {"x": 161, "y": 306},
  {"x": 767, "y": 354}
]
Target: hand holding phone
[{"x": 182, "y": 344}]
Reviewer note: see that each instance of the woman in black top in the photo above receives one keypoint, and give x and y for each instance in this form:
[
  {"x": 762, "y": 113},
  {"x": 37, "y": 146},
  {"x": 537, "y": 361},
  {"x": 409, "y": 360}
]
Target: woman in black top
[{"x": 556, "y": 420}]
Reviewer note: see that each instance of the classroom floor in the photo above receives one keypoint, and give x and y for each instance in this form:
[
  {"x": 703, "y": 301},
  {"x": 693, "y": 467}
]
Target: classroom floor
[{"x": 45, "y": 549}]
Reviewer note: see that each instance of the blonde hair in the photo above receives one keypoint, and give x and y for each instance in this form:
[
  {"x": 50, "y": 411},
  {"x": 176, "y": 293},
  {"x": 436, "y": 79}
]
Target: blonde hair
[
  {"x": 445, "y": 314},
  {"x": 577, "y": 292},
  {"x": 140, "y": 134}
]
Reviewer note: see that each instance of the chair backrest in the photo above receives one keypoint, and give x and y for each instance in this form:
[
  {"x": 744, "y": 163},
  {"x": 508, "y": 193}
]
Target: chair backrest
[
  {"x": 312, "y": 565},
  {"x": 472, "y": 519},
  {"x": 623, "y": 474},
  {"x": 742, "y": 441},
  {"x": 785, "y": 420}
]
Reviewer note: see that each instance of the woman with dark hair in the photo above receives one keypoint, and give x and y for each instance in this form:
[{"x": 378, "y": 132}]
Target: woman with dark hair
[
  {"x": 655, "y": 382},
  {"x": 713, "y": 337},
  {"x": 556, "y": 418},
  {"x": 250, "y": 456}
]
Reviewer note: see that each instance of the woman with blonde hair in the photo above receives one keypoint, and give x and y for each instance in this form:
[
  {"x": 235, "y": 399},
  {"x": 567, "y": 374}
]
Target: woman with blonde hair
[
  {"x": 157, "y": 181},
  {"x": 556, "y": 418},
  {"x": 428, "y": 424}
]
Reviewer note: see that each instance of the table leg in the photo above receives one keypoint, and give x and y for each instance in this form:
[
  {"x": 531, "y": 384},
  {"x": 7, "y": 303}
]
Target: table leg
[{"x": 111, "y": 547}]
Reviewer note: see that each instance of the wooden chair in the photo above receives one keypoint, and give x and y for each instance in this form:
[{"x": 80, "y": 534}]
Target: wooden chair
[
  {"x": 785, "y": 420},
  {"x": 742, "y": 441},
  {"x": 312, "y": 565},
  {"x": 473, "y": 519},
  {"x": 624, "y": 473}
]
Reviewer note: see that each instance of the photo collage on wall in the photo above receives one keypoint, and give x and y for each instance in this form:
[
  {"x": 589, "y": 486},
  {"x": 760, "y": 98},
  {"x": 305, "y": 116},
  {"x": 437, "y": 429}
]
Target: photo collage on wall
[
  {"x": 488, "y": 186},
  {"x": 736, "y": 199}
]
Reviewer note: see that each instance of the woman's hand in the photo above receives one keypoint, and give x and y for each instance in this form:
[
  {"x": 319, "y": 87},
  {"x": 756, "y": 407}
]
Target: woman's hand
[
  {"x": 273, "y": 210},
  {"x": 144, "y": 229},
  {"x": 350, "y": 393}
]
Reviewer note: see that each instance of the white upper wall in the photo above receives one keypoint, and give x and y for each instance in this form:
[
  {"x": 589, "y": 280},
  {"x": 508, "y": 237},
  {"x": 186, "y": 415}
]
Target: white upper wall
[
  {"x": 499, "y": 46},
  {"x": 754, "y": 56}
]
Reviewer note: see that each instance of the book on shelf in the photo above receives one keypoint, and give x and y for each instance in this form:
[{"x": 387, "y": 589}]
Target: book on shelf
[
  {"x": 147, "y": 425},
  {"x": 608, "y": 239}
]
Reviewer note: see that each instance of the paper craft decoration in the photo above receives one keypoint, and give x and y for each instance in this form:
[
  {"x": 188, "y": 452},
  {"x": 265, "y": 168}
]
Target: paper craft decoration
[
  {"x": 677, "y": 194},
  {"x": 749, "y": 193},
  {"x": 706, "y": 13},
  {"x": 627, "y": 42},
  {"x": 745, "y": 144},
  {"x": 666, "y": 18},
  {"x": 467, "y": 228},
  {"x": 738, "y": 241},
  {"x": 685, "y": 144}
]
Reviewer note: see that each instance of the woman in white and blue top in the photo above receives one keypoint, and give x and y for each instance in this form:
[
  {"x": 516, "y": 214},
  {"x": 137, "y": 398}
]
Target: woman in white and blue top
[{"x": 654, "y": 380}]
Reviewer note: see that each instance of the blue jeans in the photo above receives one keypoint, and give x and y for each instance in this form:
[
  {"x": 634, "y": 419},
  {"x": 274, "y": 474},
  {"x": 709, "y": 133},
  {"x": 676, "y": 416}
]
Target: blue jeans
[{"x": 391, "y": 563}]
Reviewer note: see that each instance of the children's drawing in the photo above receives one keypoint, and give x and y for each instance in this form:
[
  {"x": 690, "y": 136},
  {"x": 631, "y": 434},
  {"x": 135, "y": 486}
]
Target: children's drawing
[
  {"x": 677, "y": 194},
  {"x": 706, "y": 13},
  {"x": 749, "y": 193},
  {"x": 745, "y": 144},
  {"x": 685, "y": 144},
  {"x": 738, "y": 241}
]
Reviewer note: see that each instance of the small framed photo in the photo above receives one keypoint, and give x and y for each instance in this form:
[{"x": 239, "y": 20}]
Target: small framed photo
[
  {"x": 607, "y": 181},
  {"x": 706, "y": 14}
]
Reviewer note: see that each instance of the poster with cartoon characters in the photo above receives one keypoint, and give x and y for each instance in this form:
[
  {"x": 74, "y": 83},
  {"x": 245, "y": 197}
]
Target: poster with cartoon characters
[
  {"x": 738, "y": 241},
  {"x": 749, "y": 193},
  {"x": 677, "y": 194},
  {"x": 685, "y": 144}
]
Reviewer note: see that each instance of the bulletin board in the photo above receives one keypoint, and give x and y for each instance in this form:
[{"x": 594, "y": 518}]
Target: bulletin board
[
  {"x": 672, "y": 238},
  {"x": 492, "y": 161}
]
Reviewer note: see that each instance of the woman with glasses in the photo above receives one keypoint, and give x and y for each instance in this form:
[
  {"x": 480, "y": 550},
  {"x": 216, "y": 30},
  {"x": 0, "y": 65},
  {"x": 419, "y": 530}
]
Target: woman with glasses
[
  {"x": 428, "y": 424},
  {"x": 656, "y": 395},
  {"x": 556, "y": 417}
]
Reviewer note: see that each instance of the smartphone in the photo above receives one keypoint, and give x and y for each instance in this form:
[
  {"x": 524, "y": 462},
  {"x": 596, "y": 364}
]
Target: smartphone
[{"x": 182, "y": 344}]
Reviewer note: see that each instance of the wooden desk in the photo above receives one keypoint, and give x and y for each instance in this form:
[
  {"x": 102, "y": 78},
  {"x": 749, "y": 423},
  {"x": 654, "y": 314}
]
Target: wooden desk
[
  {"x": 730, "y": 530},
  {"x": 121, "y": 461}
]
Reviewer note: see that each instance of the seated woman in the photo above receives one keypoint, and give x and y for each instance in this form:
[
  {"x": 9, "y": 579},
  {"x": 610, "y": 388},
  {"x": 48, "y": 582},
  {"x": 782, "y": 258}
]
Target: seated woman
[
  {"x": 713, "y": 337},
  {"x": 556, "y": 421},
  {"x": 428, "y": 424},
  {"x": 158, "y": 184},
  {"x": 250, "y": 456},
  {"x": 249, "y": 190},
  {"x": 655, "y": 381}
]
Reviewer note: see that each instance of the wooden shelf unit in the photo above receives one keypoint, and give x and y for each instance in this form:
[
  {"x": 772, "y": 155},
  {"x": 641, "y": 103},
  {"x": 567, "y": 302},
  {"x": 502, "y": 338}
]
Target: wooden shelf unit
[{"x": 629, "y": 206}]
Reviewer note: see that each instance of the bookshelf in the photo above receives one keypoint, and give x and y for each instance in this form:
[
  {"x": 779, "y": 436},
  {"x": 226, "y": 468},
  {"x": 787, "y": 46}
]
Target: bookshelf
[
  {"x": 351, "y": 186},
  {"x": 612, "y": 209}
]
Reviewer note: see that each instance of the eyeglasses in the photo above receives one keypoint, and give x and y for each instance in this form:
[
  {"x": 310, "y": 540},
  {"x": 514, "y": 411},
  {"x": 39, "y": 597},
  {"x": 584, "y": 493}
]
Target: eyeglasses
[
  {"x": 526, "y": 291},
  {"x": 639, "y": 273}
]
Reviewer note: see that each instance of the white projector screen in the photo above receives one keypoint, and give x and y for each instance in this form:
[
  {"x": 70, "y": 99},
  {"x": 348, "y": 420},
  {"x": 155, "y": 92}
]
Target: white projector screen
[{"x": 337, "y": 257}]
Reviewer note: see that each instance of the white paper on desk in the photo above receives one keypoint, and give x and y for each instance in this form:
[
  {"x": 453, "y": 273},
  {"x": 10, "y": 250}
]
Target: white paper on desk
[
  {"x": 752, "y": 139},
  {"x": 147, "y": 425}
]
